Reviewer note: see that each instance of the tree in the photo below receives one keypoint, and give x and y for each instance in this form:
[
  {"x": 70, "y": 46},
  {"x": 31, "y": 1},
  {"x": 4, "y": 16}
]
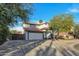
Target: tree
[
  {"x": 61, "y": 23},
  {"x": 76, "y": 27},
  {"x": 55, "y": 25},
  {"x": 68, "y": 23},
  {"x": 40, "y": 21},
  {"x": 76, "y": 31},
  {"x": 9, "y": 14}
]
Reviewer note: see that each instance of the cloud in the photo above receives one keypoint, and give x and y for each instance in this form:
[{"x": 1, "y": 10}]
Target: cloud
[{"x": 73, "y": 10}]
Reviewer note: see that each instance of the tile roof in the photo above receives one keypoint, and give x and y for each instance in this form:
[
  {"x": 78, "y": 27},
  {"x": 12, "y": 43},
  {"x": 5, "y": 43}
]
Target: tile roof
[{"x": 33, "y": 29}]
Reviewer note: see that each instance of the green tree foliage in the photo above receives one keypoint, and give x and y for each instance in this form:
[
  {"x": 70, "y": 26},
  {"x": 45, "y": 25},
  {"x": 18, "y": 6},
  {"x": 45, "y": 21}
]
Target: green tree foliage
[
  {"x": 68, "y": 23},
  {"x": 9, "y": 14},
  {"x": 63, "y": 23},
  {"x": 56, "y": 23},
  {"x": 76, "y": 27},
  {"x": 40, "y": 21},
  {"x": 76, "y": 30}
]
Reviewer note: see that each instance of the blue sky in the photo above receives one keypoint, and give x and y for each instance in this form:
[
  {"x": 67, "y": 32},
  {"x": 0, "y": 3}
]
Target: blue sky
[{"x": 46, "y": 11}]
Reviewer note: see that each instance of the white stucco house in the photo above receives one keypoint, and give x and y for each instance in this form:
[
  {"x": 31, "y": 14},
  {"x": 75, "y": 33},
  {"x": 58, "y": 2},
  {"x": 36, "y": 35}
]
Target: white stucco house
[{"x": 35, "y": 31}]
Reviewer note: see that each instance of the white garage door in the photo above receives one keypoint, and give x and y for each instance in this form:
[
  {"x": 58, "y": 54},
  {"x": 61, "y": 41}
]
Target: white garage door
[{"x": 35, "y": 36}]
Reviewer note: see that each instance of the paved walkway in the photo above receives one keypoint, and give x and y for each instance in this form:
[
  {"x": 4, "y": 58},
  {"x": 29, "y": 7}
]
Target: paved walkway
[{"x": 55, "y": 48}]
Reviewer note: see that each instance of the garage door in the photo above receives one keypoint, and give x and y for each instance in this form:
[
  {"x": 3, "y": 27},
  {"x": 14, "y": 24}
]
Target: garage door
[{"x": 35, "y": 36}]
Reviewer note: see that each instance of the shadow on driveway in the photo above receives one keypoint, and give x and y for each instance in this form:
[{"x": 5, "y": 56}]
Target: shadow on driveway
[
  {"x": 20, "y": 50},
  {"x": 49, "y": 51}
]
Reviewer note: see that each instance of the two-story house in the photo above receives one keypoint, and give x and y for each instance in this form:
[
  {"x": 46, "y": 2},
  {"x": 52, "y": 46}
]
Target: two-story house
[{"x": 35, "y": 31}]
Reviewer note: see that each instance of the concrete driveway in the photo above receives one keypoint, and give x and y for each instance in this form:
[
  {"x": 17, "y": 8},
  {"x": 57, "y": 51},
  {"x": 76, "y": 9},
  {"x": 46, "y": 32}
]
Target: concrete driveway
[{"x": 55, "y": 48}]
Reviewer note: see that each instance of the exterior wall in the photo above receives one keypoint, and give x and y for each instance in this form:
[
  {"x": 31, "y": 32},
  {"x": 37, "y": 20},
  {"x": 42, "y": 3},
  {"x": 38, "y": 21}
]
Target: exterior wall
[
  {"x": 34, "y": 36},
  {"x": 39, "y": 26},
  {"x": 26, "y": 25},
  {"x": 45, "y": 35},
  {"x": 42, "y": 26},
  {"x": 26, "y": 35}
]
